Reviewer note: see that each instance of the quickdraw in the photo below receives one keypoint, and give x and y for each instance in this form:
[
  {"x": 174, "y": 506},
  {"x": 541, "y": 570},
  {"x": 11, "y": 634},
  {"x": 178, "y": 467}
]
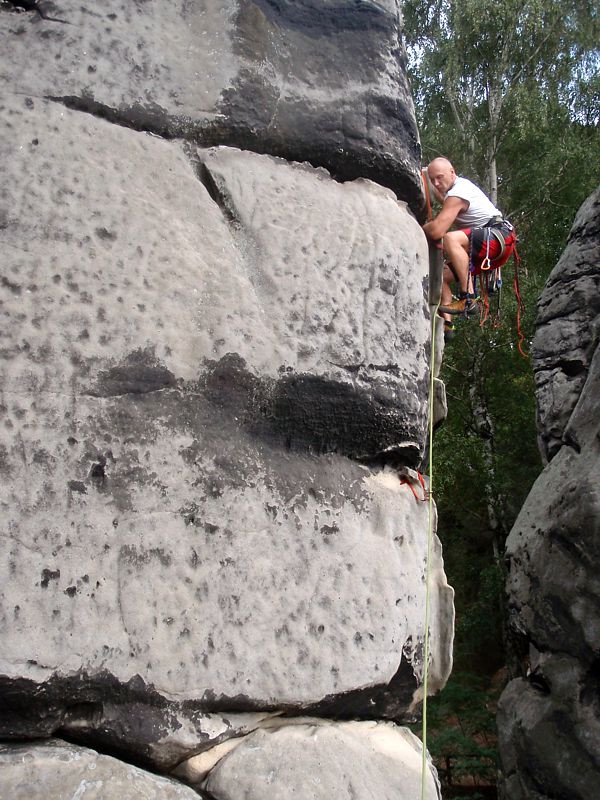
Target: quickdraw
[{"x": 412, "y": 478}]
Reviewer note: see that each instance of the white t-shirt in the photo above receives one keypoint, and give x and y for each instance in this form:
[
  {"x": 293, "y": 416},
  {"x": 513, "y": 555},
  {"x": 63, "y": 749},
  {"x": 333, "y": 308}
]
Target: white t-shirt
[{"x": 480, "y": 210}]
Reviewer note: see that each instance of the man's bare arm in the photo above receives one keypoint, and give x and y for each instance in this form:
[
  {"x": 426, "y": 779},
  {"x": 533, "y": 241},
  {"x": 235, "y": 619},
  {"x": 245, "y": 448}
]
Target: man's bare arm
[{"x": 450, "y": 210}]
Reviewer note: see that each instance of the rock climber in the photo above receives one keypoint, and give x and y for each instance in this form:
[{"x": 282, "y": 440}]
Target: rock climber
[{"x": 473, "y": 214}]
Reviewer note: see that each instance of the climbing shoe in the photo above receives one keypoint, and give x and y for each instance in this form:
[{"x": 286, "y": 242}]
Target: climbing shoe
[
  {"x": 448, "y": 332},
  {"x": 465, "y": 304}
]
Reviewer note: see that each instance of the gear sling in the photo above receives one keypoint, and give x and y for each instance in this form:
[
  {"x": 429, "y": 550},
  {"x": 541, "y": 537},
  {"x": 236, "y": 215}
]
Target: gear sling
[{"x": 491, "y": 247}]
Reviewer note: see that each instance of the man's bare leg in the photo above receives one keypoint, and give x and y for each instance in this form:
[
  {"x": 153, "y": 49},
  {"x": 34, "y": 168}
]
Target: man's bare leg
[{"x": 456, "y": 247}]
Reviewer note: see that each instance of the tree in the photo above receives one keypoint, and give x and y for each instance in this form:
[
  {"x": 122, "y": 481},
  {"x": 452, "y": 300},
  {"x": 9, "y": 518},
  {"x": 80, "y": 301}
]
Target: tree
[
  {"x": 509, "y": 92},
  {"x": 484, "y": 61}
]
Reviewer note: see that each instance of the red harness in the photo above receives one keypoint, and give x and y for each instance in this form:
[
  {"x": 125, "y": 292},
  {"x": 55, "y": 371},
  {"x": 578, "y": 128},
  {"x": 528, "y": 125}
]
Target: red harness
[{"x": 490, "y": 250}]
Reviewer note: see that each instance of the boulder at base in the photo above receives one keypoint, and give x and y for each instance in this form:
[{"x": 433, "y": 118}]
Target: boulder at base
[
  {"x": 56, "y": 770},
  {"x": 318, "y": 759}
]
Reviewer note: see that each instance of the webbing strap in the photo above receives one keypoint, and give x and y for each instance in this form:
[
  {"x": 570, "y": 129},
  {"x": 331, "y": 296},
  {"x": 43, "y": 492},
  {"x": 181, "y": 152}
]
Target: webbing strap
[{"x": 425, "y": 179}]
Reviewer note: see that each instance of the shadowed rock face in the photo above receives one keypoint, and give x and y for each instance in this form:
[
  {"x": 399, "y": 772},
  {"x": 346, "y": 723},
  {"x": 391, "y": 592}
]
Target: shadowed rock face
[
  {"x": 567, "y": 331},
  {"x": 549, "y": 719},
  {"x": 205, "y": 351}
]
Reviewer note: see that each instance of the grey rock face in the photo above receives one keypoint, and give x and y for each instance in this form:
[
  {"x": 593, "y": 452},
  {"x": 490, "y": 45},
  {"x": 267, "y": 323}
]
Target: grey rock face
[
  {"x": 567, "y": 329},
  {"x": 549, "y": 720},
  {"x": 55, "y": 770},
  {"x": 184, "y": 383},
  {"x": 312, "y": 759},
  {"x": 213, "y": 364},
  {"x": 303, "y": 79},
  {"x": 267, "y": 288},
  {"x": 550, "y": 745}
]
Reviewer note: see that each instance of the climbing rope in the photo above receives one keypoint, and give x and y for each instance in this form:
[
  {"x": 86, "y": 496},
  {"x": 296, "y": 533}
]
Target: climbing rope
[
  {"x": 430, "y": 518},
  {"x": 428, "y": 560}
]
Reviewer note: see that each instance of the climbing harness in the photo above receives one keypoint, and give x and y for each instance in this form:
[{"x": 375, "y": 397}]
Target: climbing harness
[{"x": 487, "y": 270}]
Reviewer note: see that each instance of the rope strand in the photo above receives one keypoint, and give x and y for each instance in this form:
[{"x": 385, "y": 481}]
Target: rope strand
[{"x": 428, "y": 562}]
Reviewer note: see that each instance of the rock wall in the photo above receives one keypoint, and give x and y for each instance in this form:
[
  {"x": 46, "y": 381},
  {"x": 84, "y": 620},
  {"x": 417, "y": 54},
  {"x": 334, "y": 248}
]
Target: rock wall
[
  {"x": 214, "y": 376},
  {"x": 549, "y": 719}
]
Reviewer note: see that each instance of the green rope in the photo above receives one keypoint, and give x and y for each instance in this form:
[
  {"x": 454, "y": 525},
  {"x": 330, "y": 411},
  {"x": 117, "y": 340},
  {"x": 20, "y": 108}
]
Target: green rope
[{"x": 428, "y": 559}]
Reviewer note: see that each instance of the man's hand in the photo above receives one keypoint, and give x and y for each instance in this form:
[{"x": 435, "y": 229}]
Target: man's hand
[{"x": 449, "y": 211}]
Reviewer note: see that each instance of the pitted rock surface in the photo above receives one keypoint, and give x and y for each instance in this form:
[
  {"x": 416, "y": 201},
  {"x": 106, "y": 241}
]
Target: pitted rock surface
[
  {"x": 186, "y": 533},
  {"x": 550, "y": 732},
  {"x": 55, "y": 770},
  {"x": 116, "y": 247},
  {"x": 213, "y": 363},
  {"x": 549, "y": 719},
  {"x": 304, "y": 79}
]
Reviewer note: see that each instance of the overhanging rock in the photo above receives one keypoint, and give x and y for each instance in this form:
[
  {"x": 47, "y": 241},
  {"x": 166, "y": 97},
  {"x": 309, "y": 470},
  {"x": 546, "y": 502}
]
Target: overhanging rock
[{"x": 302, "y": 79}]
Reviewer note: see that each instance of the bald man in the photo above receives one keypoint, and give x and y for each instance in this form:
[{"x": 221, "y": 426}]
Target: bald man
[{"x": 466, "y": 207}]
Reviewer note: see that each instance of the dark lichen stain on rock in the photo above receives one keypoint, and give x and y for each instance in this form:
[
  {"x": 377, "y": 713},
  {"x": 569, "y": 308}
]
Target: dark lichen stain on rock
[
  {"x": 327, "y": 530},
  {"x": 49, "y": 575},
  {"x": 141, "y": 372},
  {"x": 140, "y": 557},
  {"x": 77, "y": 486},
  {"x": 106, "y": 235},
  {"x": 7, "y": 284},
  {"x": 309, "y": 413},
  {"x": 314, "y": 18}
]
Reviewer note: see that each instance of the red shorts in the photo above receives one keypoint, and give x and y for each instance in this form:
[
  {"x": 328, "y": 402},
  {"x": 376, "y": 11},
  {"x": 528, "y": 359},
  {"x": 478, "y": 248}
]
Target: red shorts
[{"x": 478, "y": 237}]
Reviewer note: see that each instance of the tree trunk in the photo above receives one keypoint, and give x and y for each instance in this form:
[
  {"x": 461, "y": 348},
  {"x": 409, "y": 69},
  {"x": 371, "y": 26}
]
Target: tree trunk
[
  {"x": 494, "y": 108},
  {"x": 484, "y": 426},
  {"x": 492, "y": 174}
]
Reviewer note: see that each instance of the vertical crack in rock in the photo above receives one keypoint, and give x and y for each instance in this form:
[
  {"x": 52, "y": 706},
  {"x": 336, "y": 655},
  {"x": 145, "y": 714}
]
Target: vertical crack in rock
[{"x": 214, "y": 188}]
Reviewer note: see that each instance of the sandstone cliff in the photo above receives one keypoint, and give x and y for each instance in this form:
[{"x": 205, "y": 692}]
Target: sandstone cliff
[{"x": 215, "y": 360}]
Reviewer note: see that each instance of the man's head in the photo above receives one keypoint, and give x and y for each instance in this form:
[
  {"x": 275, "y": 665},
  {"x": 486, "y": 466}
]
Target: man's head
[{"x": 441, "y": 174}]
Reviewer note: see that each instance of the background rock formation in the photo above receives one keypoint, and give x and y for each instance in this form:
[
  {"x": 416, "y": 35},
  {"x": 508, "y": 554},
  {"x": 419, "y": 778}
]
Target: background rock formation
[
  {"x": 214, "y": 363},
  {"x": 550, "y": 718}
]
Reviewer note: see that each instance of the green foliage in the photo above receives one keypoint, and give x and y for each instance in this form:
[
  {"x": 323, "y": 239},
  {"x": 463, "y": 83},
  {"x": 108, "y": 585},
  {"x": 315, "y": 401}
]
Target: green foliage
[
  {"x": 462, "y": 735},
  {"x": 510, "y": 92},
  {"x": 480, "y": 67}
]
